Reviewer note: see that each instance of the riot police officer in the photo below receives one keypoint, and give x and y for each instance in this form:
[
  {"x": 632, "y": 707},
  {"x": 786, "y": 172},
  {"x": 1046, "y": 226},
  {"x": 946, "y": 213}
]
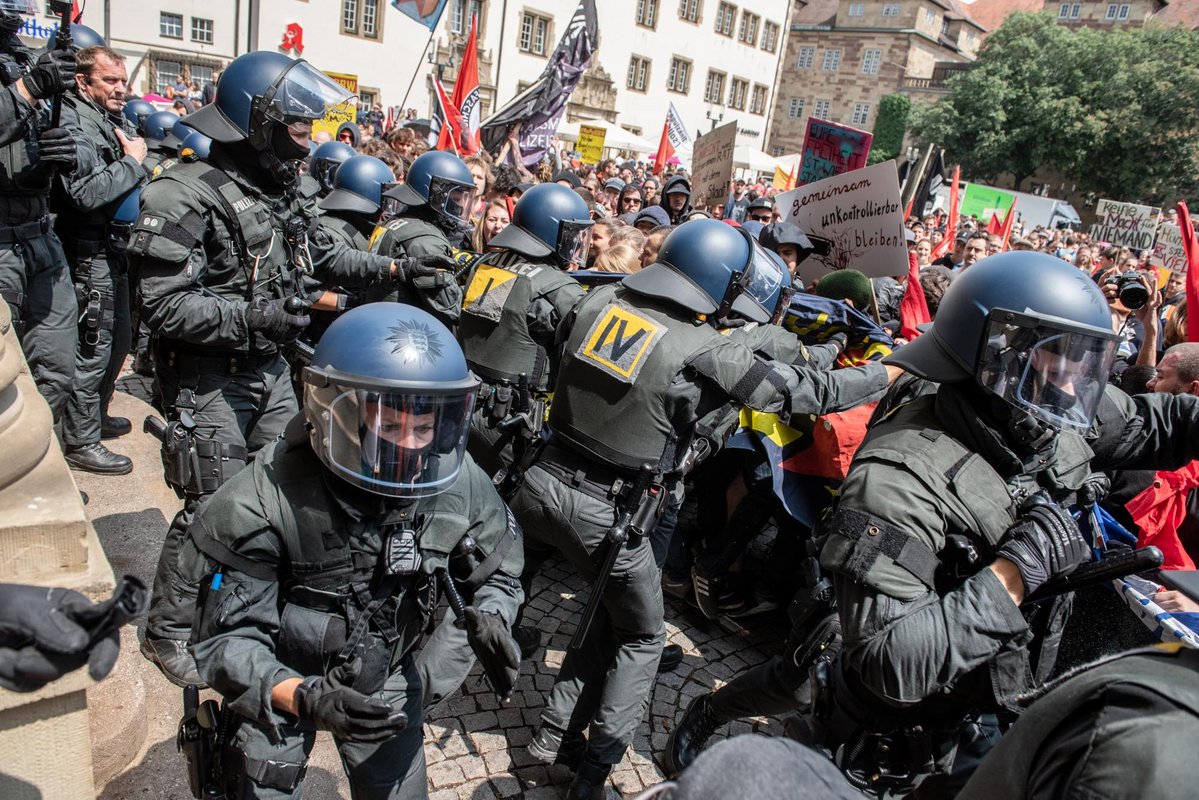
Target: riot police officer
[
  {"x": 222, "y": 246},
  {"x": 33, "y": 270},
  {"x": 325, "y": 161},
  {"x": 642, "y": 362},
  {"x": 436, "y": 199},
  {"x": 954, "y": 512},
  {"x": 324, "y": 558},
  {"x": 514, "y": 301},
  {"x": 160, "y": 141},
  {"x": 111, "y": 156}
]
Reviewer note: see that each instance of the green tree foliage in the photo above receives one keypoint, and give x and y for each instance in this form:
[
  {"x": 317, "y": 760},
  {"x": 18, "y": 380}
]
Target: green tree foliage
[
  {"x": 1116, "y": 109},
  {"x": 890, "y": 127}
]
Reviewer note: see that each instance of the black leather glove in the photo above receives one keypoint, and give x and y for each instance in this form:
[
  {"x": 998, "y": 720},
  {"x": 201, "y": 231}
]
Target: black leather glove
[
  {"x": 46, "y": 633},
  {"x": 492, "y": 642},
  {"x": 411, "y": 267},
  {"x": 331, "y": 705},
  {"x": 53, "y": 74},
  {"x": 269, "y": 318},
  {"x": 57, "y": 146},
  {"x": 1094, "y": 489},
  {"x": 1044, "y": 542}
]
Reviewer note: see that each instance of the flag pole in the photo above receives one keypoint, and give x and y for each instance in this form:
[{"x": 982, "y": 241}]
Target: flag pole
[{"x": 411, "y": 83}]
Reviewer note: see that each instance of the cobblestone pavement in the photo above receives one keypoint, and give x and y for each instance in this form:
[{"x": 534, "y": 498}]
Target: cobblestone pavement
[{"x": 476, "y": 749}]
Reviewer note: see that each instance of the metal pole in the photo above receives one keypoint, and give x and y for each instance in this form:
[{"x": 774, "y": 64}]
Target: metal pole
[
  {"x": 416, "y": 71},
  {"x": 499, "y": 52}
]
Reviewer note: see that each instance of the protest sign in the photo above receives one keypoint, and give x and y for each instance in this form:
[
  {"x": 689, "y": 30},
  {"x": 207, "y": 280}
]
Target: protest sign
[
  {"x": 591, "y": 143},
  {"x": 1168, "y": 251},
  {"x": 856, "y": 218},
  {"x": 983, "y": 202},
  {"x": 341, "y": 113},
  {"x": 831, "y": 149},
  {"x": 1125, "y": 224},
  {"x": 712, "y": 165}
]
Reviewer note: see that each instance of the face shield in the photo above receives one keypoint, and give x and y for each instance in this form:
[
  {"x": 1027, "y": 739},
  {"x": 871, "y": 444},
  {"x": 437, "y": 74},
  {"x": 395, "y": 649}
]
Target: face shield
[
  {"x": 1055, "y": 370},
  {"x": 397, "y": 443},
  {"x": 765, "y": 280},
  {"x": 574, "y": 242},
  {"x": 453, "y": 199},
  {"x": 302, "y": 94}
]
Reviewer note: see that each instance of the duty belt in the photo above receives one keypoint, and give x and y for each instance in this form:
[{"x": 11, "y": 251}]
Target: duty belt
[
  {"x": 10, "y": 234},
  {"x": 223, "y": 362},
  {"x": 594, "y": 480}
]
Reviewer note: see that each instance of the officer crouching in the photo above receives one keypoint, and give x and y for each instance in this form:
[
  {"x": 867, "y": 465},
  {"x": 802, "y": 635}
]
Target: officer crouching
[{"x": 329, "y": 552}]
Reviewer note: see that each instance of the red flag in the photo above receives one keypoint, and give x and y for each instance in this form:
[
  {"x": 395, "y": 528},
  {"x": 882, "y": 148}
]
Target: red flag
[
  {"x": 994, "y": 227},
  {"x": 1191, "y": 246},
  {"x": 674, "y": 136},
  {"x": 913, "y": 310},
  {"x": 1160, "y": 509},
  {"x": 1008, "y": 222},
  {"x": 952, "y": 224},
  {"x": 451, "y": 121},
  {"x": 665, "y": 151},
  {"x": 76, "y": 12},
  {"x": 791, "y": 178},
  {"x": 907, "y": 212},
  {"x": 466, "y": 96}
]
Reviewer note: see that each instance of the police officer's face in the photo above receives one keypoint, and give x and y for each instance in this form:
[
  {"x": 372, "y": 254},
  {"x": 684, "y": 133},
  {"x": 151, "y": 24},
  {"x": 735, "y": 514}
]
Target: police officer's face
[
  {"x": 106, "y": 85},
  {"x": 300, "y": 132},
  {"x": 404, "y": 429}
]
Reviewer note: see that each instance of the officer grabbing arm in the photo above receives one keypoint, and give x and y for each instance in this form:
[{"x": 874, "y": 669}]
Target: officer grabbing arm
[{"x": 328, "y": 554}]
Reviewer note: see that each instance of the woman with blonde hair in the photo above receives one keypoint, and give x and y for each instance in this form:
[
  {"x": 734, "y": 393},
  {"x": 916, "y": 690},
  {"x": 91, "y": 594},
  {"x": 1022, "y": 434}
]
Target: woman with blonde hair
[
  {"x": 495, "y": 218},
  {"x": 618, "y": 258}
]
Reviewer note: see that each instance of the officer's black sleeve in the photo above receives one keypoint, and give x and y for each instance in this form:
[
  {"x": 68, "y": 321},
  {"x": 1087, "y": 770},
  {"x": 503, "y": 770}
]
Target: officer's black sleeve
[
  {"x": 1145, "y": 431},
  {"x": 95, "y": 184},
  {"x": 335, "y": 263},
  {"x": 15, "y": 115},
  {"x": 547, "y": 312},
  {"x": 442, "y": 296}
]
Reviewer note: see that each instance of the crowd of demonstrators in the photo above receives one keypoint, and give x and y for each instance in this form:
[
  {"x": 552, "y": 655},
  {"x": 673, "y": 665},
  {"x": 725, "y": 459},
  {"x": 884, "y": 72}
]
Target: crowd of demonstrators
[{"x": 392, "y": 375}]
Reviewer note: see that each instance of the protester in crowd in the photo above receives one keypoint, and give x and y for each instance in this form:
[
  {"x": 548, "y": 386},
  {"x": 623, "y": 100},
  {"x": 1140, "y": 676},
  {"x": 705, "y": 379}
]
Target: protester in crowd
[
  {"x": 601, "y": 237},
  {"x": 618, "y": 258},
  {"x": 495, "y": 217},
  {"x": 630, "y": 203},
  {"x": 649, "y": 218},
  {"x": 480, "y": 169},
  {"x": 924, "y": 251},
  {"x": 653, "y": 242}
]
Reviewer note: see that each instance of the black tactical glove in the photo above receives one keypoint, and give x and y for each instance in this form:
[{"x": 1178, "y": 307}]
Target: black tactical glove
[
  {"x": 433, "y": 266},
  {"x": 269, "y": 318},
  {"x": 1094, "y": 489},
  {"x": 1044, "y": 542},
  {"x": 331, "y": 705},
  {"x": 492, "y": 642},
  {"x": 57, "y": 146},
  {"x": 46, "y": 633},
  {"x": 53, "y": 74}
]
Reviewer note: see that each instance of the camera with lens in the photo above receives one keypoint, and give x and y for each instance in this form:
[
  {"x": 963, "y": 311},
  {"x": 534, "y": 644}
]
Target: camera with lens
[{"x": 1130, "y": 290}]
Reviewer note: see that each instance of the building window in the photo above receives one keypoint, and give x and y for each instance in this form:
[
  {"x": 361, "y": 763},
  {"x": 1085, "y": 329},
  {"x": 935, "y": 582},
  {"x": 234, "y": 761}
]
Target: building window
[
  {"x": 714, "y": 88},
  {"x": 1075, "y": 10},
  {"x": 806, "y": 55},
  {"x": 871, "y": 59},
  {"x": 360, "y": 18},
  {"x": 170, "y": 26},
  {"x": 647, "y": 13},
  {"x": 944, "y": 27},
  {"x": 748, "y": 32},
  {"x": 890, "y": 9},
  {"x": 1117, "y": 11},
  {"x": 201, "y": 30},
  {"x": 757, "y": 102},
  {"x": 367, "y": 97},
  {"x": 689, "y": 10},
  {"x": 832, "y": 60},
  {"x": 930, "y": 16},
  {"x": 201, "y": 74},
  {"x": 461, "y": 13},
  {"x": 1123, "y": 11},
  {"x": 164, "y": 75},
  {"x": 534, "y": 33},
  {"x": 795, "y": 108},
  {"x": 861, "y": 113},
  {"x": 821, "y": 109},
  {"x": 638, "y": 73},
  {"x": 776, "y": 150},
  {"x": 770, "y": 37},
  {"x": 738, "y": 89},
  {"x": 349, "y": 16},
  {"x": 1069, "y": 10},
  {"x": 857, "y": 9},
  {"x": 726, "y": 15},
  {"x": 680, "y": 76}
]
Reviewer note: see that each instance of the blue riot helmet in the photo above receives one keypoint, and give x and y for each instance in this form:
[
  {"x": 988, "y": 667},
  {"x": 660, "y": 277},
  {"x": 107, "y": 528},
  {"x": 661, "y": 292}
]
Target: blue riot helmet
[
  {"x": 441, "y": 181},
  {"x": 1028, "y": 328},
  {"x": 195, "y": 147},
  {"x": 358, "y": 186},
  {"x": 82, "y": 37},
  {"x": 325, "y": 160},
  {"x": 158, "y": 127},
  {"x": 713, "y": 269},
  {"x": 388, "y": 401},
  {"x": 549, "y": 222},
  {"x": 131, "y": 205},
  {"x": 260, "y": 95},
  {"x": 179, "y": 131},
  {"x": 137, "y": 112}
]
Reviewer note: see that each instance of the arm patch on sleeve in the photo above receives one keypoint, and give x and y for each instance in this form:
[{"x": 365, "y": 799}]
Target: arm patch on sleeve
[{"x": 867, "y": 537}]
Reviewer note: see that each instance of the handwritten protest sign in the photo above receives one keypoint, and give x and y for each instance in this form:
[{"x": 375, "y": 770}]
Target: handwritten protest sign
[
  {"x": 830, "y": 149},
  {"x": 712, "y": 165},
  {"x": 591, "y": 143},
  {"x": 1125, "y": 224},
  {"x": 341, "y": 113},
  {"x": 1168, "y": 251},
  {"x": 856, "y": 218}
]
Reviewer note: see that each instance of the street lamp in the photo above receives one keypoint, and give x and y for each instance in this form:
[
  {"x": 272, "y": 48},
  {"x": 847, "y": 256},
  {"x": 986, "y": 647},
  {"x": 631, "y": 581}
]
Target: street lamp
[{"x": 715, "y": 120}]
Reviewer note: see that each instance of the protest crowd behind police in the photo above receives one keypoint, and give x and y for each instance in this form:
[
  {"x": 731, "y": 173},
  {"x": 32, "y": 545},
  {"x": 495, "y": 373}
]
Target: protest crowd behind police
[{"x": 391, "y": 219}]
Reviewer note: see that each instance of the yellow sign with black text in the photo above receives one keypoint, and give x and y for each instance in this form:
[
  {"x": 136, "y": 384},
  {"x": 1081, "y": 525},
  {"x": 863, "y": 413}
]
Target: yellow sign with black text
[{"x": 342, "y": 113}]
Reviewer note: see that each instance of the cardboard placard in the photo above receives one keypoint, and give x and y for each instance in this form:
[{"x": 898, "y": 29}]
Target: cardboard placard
[
  {"x": 343, "y": 112},
  {"x": 712, "y": 165},
  {"x": 830, "y": 149},
  {"x": 591, "y": 143},
  {"x": 1168, "y": 250},
  {"x": 856, "y": 216},
  {"x": 1125, "y": 224}
]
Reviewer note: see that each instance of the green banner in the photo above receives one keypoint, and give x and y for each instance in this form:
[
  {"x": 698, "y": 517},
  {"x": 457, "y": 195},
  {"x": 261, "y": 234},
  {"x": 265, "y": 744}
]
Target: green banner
[{"x": 983, "y": 201}]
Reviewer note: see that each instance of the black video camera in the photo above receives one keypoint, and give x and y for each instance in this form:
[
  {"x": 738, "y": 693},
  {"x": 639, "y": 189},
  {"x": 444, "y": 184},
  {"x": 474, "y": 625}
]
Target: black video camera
[{"x": 1130, "y": 290}]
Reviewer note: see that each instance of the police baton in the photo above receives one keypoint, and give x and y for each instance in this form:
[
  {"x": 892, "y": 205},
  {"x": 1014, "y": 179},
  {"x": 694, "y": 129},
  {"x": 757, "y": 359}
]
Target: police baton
[
  {"x": 62, "y": 41},
  {"x": 1095, "y": 573}
]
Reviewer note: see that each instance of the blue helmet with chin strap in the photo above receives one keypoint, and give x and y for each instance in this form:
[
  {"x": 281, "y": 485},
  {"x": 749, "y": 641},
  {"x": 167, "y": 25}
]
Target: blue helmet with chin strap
[
  {"x": 358, "y": 186},
  {"x": 325, "y": 160},
  {"x": 137, "y": 112},
  {"x": 441, "y": 181},
  {"x": 195, "y": 147},
  {"x": 549, "y": 222}
]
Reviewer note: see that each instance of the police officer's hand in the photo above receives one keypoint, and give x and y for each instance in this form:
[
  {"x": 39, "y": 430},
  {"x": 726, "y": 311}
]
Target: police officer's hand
[
  {"x": 53, "y": 74},
  {"x": 1094, "y": 489},
  {"x": 331, "y": 705},
  {"x": 1044, "y": 542},
  {"x": 269, "y": 318},
  {"x": 492, "y": 642},
  {"x": 56, "y": 146},
  {"x": 44, "y": 634},
  {"x": 411, "y": 267}
]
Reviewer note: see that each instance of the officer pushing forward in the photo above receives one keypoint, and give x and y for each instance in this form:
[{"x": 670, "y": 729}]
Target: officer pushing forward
[{"x": 328, "y": 554}]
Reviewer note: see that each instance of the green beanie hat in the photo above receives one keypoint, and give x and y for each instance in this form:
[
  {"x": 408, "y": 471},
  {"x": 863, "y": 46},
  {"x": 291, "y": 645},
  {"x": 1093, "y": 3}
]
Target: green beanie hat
[{"x": 846, "y": 284}]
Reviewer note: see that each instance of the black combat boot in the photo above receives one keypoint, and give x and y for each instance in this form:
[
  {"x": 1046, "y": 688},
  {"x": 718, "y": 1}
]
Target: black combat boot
[
  {"x": 114, "y": 427},
  {"x": 591, "y": 781},
  {"x": 173, "y": 658},
  {"x": 672, "y": 656},
  {"x": 98, "y": 459},
  {"x": 552, "y": 745},
  {"x": 528, "y": 639},
  {"x": 691, "y": 735}
]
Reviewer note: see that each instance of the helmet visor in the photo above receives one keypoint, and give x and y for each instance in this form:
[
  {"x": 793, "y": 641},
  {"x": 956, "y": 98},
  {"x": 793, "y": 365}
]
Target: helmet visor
[
  {"x": 452, "y": 198},
  {"x": 1053, "y": 369},
  {"x": 764, "y": 279},
  {"x": 574, "y": 242},
  {"x": 303, "y": 94},
  {"x": 395, "y": 443}
]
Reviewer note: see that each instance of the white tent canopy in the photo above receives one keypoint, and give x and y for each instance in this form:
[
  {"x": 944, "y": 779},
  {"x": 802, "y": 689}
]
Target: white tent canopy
[
  {"x": 752, "y": 159},
  {"x": 617, "y": 137}
]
